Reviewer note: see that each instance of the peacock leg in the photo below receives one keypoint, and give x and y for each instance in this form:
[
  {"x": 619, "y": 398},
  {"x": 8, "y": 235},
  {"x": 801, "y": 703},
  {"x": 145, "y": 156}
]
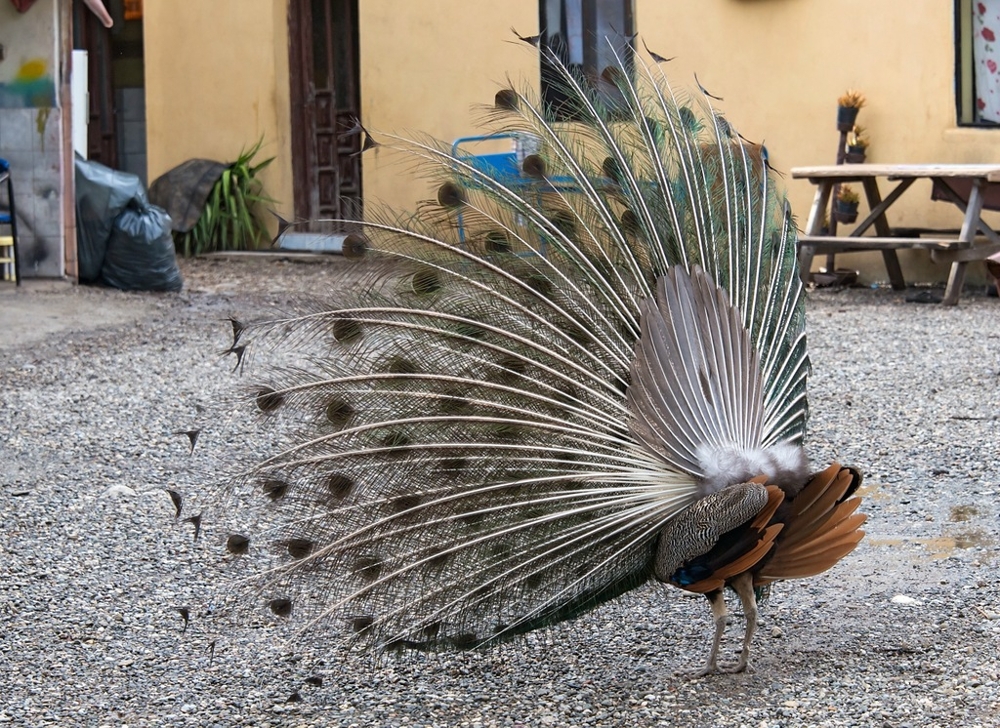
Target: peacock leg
[
  {"x": 721, "y": 616},
  {"x": 743, "y": 586}
]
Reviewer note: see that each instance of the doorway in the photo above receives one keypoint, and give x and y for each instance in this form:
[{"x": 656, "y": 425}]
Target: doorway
[
  {"x": 326, "y": 102},
  {"x": 116, "y": 128}
]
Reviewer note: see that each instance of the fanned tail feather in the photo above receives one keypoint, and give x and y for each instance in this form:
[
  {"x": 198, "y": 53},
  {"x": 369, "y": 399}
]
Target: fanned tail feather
[{"x": 497, "y": 424}]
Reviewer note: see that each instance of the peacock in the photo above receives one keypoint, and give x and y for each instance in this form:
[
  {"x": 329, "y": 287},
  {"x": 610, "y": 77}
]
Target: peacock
[{"x": 555, "y": 382}]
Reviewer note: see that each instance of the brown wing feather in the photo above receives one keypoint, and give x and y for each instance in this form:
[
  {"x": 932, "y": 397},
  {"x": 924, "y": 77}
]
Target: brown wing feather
[
  {"x": 828, "y": 507},
  {"x": 816, "y": 562},
  {"x": 820, "y": 529},
  {"x": 815, "y": 488},
  {"x": 757, "y": 549}
]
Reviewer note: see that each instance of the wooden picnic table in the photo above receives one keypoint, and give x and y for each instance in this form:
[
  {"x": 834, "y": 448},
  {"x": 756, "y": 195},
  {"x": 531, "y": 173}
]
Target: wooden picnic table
[{"x": 964, "y": 185}]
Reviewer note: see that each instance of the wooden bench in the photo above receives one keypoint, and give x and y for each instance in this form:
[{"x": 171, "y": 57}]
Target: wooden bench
[
  {"x": 975, "y": 240},
  {"x": 839, "y": 243}
]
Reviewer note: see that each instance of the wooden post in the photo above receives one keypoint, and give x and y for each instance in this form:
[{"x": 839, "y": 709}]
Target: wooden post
[{"x": 831, "y": 262}]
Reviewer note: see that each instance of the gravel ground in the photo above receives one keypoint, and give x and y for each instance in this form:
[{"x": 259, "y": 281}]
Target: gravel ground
[{"x": 94, "y": 567}]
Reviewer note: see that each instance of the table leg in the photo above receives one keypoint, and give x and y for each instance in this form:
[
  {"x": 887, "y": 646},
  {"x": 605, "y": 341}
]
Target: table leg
[
  {"x": 814, "y": 226},
  {"x": 956, "y": 278},
  {"x": 882, "y": 229}
]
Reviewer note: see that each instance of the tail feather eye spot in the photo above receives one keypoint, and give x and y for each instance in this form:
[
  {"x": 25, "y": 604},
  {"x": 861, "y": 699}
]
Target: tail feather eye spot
[
  {"x": 565, "y": 223},
  {"x": 299, "y": 548},
  {"x": 362, "y": 624},
  {"x": 612, "y": 169},
  {"x": 566, "y": 395},
  {"x": 450, "y": 195},
  {"x": 425, "y": 282},
  {"x": 575, "y": 332},
  {"x": 237, "y": 544},
  {"x": 274, "y": 489},
  {"x": 472, "y": 518},
  {"x": 406, "y": 503},
  {"x": 497, "y": 242},
  {"x": 396, "y": 441},
  {"x": 513, "y": 365},
  {"x": 452, "y": 466},
  {"x": 500, "y": 553},
  {"x": 465, "y": 641},
  {"x": 438, "y": 558},
  {"x": 507, "y": 432},
  {"x": 368, "y": 568},
  {"x": 346, "y": 330},
  {"x": 533, "y": 580},
  {"x": 630, "y": 223},
  {"x": 355, "y": 246},
  {"x": 339, "y": 485},
  {"x": 506, "y": 98},
  {"x": 401, "y": 365},
  {"x": 534, "y": 166},
  {"x": 452, "y": 403},
  {"x": 470, "y": 331},
  {"x": 269, "y": 400},
  {"x": 339, "y": 412},
  {"x": 539, "y": 284}
]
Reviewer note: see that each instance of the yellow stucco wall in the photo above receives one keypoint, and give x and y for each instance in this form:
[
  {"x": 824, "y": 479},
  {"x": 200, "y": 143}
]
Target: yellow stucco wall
[
  {"x": 426, "y": 65},
  {"x": 216, "y": 82},
  {"x": 781, "y": 64},
  {"x": 217, "y": 78}
]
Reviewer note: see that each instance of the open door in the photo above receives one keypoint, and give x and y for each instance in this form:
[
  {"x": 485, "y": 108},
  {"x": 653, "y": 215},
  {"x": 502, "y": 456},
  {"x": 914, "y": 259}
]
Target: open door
[
  {"x": 116, "y": 128},
  {"x": 325, "y": 100},
  {"x": 90, "y": 35}
]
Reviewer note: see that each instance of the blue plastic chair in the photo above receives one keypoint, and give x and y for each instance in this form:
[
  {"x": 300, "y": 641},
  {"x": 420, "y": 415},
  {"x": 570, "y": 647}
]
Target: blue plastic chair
[
  {"x": 500, "y": 166},
  {"x": 9, "y": 262}
]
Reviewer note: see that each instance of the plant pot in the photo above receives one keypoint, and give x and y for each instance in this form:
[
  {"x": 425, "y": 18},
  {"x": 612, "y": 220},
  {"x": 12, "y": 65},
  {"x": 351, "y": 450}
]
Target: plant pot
[
  {"x": 845, "y": 212},
  {"x": 846, "y": 116},
  {"x": 855, "y": 155}
]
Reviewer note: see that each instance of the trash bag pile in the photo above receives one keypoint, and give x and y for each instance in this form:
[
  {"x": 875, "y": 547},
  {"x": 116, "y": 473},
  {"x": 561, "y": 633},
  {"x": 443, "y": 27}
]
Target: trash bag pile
[{"x": 122, "y": 240}]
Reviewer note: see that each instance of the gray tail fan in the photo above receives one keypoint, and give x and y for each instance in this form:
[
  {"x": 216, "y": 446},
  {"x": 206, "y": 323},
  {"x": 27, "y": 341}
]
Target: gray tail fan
[{"x": 477, "y": 448}]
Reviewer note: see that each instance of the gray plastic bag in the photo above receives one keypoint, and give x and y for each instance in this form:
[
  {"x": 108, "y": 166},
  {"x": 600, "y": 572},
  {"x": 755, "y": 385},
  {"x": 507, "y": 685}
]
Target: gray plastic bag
[
  {"x": 122, "y": 240},
  {"x": 101, "y": 195}
]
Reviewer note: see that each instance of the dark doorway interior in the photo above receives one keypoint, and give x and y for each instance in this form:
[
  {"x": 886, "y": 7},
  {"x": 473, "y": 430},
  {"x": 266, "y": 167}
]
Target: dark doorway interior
[
  {"x": 116, "y": 130},
  {"x": 325, "y": 100}
]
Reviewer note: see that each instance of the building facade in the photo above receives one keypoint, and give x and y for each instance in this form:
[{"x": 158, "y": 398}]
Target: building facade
[{"x": 219, "y": 76}]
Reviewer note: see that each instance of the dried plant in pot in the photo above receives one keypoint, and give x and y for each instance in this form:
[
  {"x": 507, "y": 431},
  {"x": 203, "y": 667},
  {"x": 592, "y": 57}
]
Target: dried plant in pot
[
  {"x": 857, "y": 146},
  {"x": 845, "y": 208},
  {"x": 848, "y": 105}
]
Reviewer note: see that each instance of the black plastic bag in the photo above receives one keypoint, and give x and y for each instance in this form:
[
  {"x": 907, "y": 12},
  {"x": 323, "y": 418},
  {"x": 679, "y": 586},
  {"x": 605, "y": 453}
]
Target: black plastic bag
[{"x": 140, "y": 254}]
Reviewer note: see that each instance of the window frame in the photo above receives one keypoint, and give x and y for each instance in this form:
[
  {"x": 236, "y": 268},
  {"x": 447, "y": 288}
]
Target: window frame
[
  {"x": 594, "y": 49},
  {"x": 966, "y": 114}
]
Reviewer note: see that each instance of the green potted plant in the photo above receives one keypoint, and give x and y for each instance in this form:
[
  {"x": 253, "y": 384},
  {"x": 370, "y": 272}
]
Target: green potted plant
[
  {"x": 857, "y": 145},
  {"x": 231, "y": 219},
  {"x": 845, "y": 208},
  {"x": 848, "y": 106}
]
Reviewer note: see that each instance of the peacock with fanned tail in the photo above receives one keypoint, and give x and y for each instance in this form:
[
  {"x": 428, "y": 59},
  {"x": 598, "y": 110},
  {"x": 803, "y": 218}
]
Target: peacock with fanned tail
[{"x": 552, "y": 387}]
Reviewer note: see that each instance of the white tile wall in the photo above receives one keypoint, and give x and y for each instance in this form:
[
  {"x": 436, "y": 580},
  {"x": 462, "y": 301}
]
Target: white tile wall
[
  {"x": 30, "y": 139},
  {"x": 131, "y": 120}
]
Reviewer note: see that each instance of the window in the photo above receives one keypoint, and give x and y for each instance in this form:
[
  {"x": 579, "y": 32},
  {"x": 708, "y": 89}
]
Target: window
[
  {"x": 977, "y": 28},
  {"x": 591, "y": 37}
]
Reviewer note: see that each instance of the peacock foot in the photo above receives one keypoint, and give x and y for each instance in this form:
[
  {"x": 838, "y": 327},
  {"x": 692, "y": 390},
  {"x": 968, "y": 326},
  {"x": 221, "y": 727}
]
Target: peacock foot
[
  {"x": 741, "y": 665},
  {"x": 707, "y": 669},
  {"x": 712, "y": 667}
]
